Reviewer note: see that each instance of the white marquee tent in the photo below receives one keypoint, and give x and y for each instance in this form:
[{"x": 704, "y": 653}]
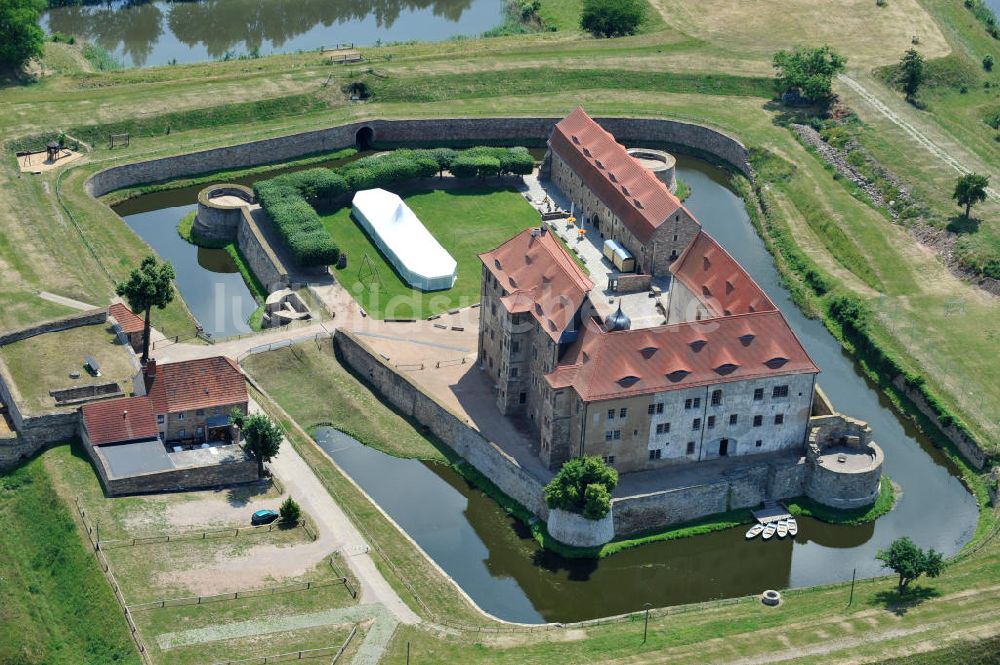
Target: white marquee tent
[{"x": 404, "y": 240}]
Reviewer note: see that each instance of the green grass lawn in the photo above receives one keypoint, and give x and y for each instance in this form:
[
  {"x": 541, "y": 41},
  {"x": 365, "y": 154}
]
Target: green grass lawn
[
  {"x": 317, "y": 390},
  {"x": 42, "y": 363},
  {"x": 56, "y": 605},
  {"x": 465, "y": 221}
]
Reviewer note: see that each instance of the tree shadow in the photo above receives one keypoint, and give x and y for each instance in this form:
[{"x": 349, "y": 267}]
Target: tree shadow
[
  {"x": 901, "y": 603},
  {"x": 961, "y": 224},
  {"x": 239, "y": 497}
]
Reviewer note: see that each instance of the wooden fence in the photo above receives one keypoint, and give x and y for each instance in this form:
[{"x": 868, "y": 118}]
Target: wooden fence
[{"x": 334, "y": 651}]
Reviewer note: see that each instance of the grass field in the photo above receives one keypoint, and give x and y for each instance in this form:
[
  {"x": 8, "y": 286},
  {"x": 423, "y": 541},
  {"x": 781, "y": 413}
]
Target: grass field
[
  {"x": 57, "y": 607},
  {"x": 466, "y": 221},
  {"x": 42, "y": 363},
  {"x": 330, "y": 395}
]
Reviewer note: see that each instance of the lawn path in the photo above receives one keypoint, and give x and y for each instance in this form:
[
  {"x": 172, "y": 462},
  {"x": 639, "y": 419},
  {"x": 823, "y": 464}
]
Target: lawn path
[{"x": 912, "y": 131}]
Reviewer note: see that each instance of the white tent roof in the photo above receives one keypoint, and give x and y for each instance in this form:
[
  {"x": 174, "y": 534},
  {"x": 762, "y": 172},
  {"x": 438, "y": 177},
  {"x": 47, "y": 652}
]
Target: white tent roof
[{"x": 397, "y": 231}]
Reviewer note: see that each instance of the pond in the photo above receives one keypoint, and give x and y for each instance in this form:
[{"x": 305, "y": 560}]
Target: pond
[
  {"x": 494, "y": 559},
  {"x": 146, "y": 34}
]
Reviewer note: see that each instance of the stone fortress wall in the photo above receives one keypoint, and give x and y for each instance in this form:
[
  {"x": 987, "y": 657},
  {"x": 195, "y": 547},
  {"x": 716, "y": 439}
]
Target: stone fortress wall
[
  {"x": 35, "y": 431},
  {"x": 630, "y": 514},
  {"x": 746, "y": 487},
  {"x": 235, "y": 223}
]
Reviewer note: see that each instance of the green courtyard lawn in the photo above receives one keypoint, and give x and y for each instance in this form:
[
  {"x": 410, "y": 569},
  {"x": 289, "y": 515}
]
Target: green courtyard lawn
[{"x": 466, "y": 221}]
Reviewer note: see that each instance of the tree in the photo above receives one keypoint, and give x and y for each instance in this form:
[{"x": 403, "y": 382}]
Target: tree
[
  {"x": 910, "y": 562},
  {"x": 970, "y": 189},
  {"x": 237, "y": 417},
  {"x": 21, "y": 38},
  {"x": 583, "y": 485},
  {"x": 147, "y": 286},
  {"x": 809, "y": 71},
  {"x": 911, "y": 73},
  {"x": 612, "y": 18},
  {"x": 289, "y": 511},
  {"x": 263, "y": 438},
  {"x": 988, "y": 63}
]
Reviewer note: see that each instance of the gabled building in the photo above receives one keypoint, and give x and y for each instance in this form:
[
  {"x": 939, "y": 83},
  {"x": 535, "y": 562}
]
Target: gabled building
[
  {"x": 130, "y": 324},
  {"x": 725, "y": 376},
  {"x": 616, "y": 194},
  {"x": 192, "y": 399}
]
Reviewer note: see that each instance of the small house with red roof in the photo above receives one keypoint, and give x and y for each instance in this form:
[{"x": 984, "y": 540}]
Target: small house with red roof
[
  {"x": 130, "y": 324},
  {"x": 616, "y": 194},
  {"x": 192, "y": 400},
  {"x": 177, "y": 436}
]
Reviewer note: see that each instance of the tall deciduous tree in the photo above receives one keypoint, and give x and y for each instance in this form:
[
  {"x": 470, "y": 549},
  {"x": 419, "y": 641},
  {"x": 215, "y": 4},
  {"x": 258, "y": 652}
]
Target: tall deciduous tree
[
  {"x": 148, "y": 286},
  {"x": 612, "y": 18},
  {"x": 810, "y": 71},
  {"x": 911, "y": 73},
  {"x": 910, "y": 562},
  {"x": 21, "y": 38},
  {"x": 970, "y": 189},
  {"x": 263, "y": 439}
]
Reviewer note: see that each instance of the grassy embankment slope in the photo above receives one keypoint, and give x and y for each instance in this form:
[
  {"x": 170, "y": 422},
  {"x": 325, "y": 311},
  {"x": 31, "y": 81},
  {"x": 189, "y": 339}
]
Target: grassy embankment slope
[
  {"x": 35, "y": 224},
  {"x": 57, "y": 606}
]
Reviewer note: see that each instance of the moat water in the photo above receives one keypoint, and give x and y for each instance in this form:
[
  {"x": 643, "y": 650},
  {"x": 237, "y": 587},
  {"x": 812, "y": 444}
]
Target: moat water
[
  {"x": 145, "y": 34},
  {"x": 494, "y": 558},
  {"x": 208, "y": 279}
]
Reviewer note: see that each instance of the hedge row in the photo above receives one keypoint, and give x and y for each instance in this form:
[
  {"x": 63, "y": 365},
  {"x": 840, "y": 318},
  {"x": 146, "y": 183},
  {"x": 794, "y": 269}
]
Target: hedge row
[
  {"x": 285, "y": 200},
  {"x": 288, "y": 198}
]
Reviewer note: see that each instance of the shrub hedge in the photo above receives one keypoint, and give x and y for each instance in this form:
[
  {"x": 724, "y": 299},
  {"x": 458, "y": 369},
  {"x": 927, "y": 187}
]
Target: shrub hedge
[{"x": 288, "y": 198}]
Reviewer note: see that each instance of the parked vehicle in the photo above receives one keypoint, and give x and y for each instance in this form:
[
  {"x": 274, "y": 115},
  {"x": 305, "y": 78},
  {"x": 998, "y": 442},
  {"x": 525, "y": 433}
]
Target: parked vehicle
[{"x": 263, "y": 517}]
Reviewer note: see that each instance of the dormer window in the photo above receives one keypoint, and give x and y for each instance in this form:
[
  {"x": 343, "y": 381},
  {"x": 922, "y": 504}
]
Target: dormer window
[
  {"x": 776, "y": 362},
  {"x": 538, "y": 308},
  {"x": 513, "y": 282},
  {"x": 705, "y": 291},
  {"x": 697, "y": 345},
  {"x": 586, "y": 151},
  {"x": 746, "y": 338},
  {"x": 613, "y": 178},
  {"x": 496, "y": 264},
  {"x": 599, "y": 163},
  {"x": 638, "y": 203},
  {"x": 729, "y": 286},
  {"x": 727, "y": 368},
  {"x": 705, "y": 263},
  {"x": 677, "y": 375},
  {"x": 575, "y": 139},
  {"x": 648, "y": 352},
  {"x": 627, "y": 381},
  {"x": 625, "y": 191}
]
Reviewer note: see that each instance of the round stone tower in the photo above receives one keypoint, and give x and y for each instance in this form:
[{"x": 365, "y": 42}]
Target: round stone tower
[{"x": 662, "y": 164}]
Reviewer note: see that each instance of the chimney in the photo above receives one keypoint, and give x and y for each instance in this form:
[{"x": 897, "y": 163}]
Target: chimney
[
  {"x": 151, "y": 368},
  {"x": 543, "y": 230}
]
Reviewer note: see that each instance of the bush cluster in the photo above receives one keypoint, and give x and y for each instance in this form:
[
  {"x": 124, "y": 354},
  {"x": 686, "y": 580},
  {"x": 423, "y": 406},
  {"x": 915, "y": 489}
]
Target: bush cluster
[
  {"x": 285, "y": 200},
  {"x": 289, "y": 198},
  {"x": 583, "y": 485}
]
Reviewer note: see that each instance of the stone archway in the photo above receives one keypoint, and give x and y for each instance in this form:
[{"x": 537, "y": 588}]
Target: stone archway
[{"x": 364, "y": 138}]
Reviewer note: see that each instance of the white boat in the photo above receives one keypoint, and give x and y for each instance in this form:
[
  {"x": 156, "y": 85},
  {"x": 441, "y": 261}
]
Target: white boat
[
  {"x": 793, "y": 527},
  {"x": 769, "y": 531},
  {"x": 782, "y": 528},
  {"x": 755, "y": 530}
]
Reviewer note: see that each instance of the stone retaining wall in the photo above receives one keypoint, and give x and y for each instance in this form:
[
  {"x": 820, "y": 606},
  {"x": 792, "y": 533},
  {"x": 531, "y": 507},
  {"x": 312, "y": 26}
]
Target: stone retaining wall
[
  {"x": 969, "y": 448},
  {"x": 54, "y": 325},
  {"x": 407, "y": 397},
  {"x": 263, "y": 262},
  {"x": 633, "y": 131},
  {"x": 215, "y": 221}
]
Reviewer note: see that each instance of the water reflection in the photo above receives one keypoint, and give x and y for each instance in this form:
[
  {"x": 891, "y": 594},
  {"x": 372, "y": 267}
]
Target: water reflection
[{"x": 153, "y": 33}]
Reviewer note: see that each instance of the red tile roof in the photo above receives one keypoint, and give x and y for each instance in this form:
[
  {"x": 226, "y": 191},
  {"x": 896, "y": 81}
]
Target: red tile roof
[
  {"x": 606, "y": 365},
  {"x": 539, "y": 277},
  {"x": 718, "y": 280},
  {"x": 630, "y": 190},
  {"x": 129, "y": 322},
  {"x": 119, "y": 420},
  {"x": 196, "y": 384}
]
